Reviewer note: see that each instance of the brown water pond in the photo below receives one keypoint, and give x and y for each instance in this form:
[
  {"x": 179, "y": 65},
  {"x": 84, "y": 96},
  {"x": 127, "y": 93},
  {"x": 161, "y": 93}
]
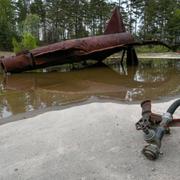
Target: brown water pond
[{"x": 152, "y": 79}]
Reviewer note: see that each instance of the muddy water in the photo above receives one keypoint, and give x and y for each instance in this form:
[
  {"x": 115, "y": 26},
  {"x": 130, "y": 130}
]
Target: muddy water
[{"x": 152, "y": 79}]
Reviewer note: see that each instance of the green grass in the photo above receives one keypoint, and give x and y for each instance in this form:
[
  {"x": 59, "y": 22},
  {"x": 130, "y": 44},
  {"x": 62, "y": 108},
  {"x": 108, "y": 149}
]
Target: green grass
[{"x": 152, "y": 49}]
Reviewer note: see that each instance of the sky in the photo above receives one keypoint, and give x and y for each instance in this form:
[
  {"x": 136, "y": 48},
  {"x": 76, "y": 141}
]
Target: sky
[{"x": 117, "y": 1}]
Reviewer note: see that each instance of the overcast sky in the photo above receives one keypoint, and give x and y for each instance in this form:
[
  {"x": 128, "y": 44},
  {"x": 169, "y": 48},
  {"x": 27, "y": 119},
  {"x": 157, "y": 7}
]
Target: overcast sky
[{"x": 114, "y": 1}]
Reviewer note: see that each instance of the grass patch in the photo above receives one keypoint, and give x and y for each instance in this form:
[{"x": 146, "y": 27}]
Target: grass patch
[{"x": 152, "y": 49}]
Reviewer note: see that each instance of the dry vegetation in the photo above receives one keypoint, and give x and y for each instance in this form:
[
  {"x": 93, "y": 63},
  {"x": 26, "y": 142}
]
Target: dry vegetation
[{"x": 6, "y": 53}]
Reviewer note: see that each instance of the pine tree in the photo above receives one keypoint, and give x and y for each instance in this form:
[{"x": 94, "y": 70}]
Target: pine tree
[{"x": 7, "y": 24}]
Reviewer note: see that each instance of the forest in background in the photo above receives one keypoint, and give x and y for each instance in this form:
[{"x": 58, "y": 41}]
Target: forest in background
[{"x": 50, "y": 21}]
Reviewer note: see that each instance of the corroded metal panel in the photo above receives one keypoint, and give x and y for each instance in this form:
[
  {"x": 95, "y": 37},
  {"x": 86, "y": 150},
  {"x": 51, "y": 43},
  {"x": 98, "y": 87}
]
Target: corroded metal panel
[
  {"x": 96, "y": 47},
  {"x": 115, "y": 24}
]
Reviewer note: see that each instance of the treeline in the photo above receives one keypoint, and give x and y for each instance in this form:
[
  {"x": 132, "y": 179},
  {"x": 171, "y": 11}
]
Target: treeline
[{"x": 55, "y": 20}]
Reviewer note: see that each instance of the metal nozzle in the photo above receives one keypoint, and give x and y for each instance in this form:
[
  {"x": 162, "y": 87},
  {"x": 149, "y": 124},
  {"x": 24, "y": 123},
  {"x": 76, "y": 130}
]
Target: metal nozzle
[
  {"x": 151, "y": 151},
  {"x": 154, "y": 127}
]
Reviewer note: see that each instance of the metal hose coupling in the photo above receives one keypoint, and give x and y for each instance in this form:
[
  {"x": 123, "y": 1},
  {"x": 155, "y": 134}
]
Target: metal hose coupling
[{"x": 154, "y": 127}]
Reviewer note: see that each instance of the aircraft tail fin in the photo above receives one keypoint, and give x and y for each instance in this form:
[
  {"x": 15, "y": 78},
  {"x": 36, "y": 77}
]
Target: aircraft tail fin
[{"x": 115, "y": 24}]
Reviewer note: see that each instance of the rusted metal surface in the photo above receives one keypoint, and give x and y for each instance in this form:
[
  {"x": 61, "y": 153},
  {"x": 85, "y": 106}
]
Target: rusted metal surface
[
  {"x": 156, "y": 118},
  {"x": 155, "y": 126},
  {"x": 97, "y": 47},
  {"x": 115, "y": 38},
  {"x": 175, "y": 123},
  {"x": 116, "y": 18}
]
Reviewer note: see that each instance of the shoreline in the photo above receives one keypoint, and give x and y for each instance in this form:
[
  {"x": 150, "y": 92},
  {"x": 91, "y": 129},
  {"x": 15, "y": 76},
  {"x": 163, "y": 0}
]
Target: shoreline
[
  {"x": 151, "y": 55},
  {"x": 31, "y": 114}
]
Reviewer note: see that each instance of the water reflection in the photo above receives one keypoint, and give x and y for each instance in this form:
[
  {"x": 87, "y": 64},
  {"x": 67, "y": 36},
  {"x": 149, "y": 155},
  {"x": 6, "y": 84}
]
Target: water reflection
[{"x": 28, "y": 91}]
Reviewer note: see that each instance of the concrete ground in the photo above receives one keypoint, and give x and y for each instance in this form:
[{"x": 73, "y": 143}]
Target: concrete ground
[
  {"x": 97, "y": 141},
  {"x": 165, "y": 55},
  {"x": 150, "y": 55}
]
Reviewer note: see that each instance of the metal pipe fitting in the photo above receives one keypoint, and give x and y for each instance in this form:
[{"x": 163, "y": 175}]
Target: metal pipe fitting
[{"x": 154, "y": 127}]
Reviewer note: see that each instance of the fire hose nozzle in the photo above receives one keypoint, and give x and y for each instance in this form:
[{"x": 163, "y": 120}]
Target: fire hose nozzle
[
  {"x": 151, "y": 151},
  {"x": 154, "y": 127}
]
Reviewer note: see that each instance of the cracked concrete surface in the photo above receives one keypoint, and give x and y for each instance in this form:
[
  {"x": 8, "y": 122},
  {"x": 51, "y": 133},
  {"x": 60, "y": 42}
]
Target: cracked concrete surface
[{"x": 96, "y": 141}]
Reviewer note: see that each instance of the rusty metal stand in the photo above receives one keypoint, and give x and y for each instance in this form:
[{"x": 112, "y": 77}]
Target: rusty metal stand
[
  {"x": 131, "y": 57},
  {"x": 122, "y": 58}
]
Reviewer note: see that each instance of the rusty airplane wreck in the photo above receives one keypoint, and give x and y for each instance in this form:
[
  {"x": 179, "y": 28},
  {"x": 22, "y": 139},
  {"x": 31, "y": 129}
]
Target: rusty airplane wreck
[{"x": 98, "y": 48}]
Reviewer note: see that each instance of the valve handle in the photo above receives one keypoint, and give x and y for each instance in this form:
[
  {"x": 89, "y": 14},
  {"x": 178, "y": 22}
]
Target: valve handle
[{"x": 142, "y": 124}]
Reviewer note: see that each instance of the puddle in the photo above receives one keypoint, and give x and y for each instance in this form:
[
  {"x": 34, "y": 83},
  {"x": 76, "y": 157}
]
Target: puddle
[{"x": 152, "y": 79}]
